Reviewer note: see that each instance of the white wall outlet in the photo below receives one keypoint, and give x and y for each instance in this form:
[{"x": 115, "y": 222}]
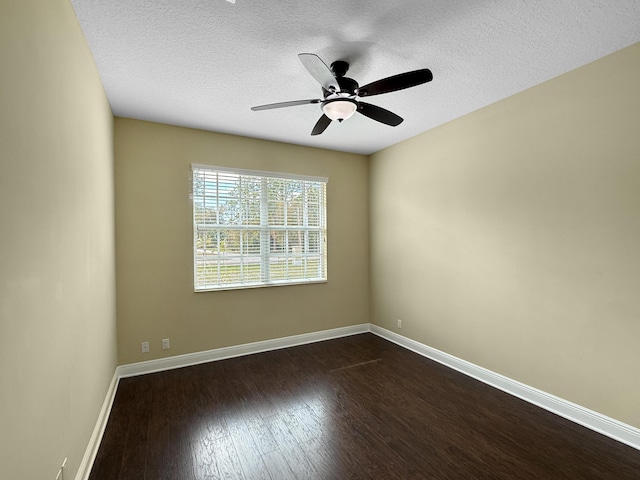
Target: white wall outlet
[
  {"x": 166, "y": 345},
  {"x": 145, "y": 347},
  {"x": 399, "y": 323}
]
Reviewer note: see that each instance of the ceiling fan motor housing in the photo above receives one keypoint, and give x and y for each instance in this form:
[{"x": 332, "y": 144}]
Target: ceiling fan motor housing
[{"x": 347, "y": 86}]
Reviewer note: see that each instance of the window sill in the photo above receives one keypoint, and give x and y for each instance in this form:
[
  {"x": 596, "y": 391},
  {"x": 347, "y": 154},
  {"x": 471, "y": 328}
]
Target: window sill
[{"x": 262, "y": 285}]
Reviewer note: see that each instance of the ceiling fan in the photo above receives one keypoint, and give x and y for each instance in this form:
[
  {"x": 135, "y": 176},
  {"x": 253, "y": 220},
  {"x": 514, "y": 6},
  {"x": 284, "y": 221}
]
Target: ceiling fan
[{"x": 340, "y": 94}]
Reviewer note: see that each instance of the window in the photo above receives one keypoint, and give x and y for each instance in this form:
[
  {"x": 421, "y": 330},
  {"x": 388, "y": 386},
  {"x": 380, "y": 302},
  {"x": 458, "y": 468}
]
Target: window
[{"x": 254, "y": 228}]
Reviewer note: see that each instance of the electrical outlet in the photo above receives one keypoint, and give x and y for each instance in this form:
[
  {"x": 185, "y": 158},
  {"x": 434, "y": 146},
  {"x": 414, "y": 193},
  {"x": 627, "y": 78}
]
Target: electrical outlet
[
  {"x": 399, "y": 323},
  {"x": 165, "y": 344},
  {"x": 145, "y": 347}
]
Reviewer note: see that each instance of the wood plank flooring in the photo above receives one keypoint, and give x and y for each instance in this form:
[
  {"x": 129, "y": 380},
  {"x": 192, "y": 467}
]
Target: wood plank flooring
[{"x": 352, "y": 408}]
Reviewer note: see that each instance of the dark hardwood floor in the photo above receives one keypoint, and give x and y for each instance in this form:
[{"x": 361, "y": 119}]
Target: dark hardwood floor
[{"x": 353, "y": 408}]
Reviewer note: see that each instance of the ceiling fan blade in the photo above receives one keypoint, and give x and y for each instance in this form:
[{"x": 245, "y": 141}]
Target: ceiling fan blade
[
  {"x": 321, "y": 125},
  {"x": 379, "y": 114},
  {"x": 285, "y": 104},
  {"x": 319, "y": 70},
  {"x": 396, "y": 82}
]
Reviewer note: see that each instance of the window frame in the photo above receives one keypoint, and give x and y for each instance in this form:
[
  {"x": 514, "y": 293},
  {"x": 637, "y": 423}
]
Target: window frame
[{"x": 314, "y": 230}]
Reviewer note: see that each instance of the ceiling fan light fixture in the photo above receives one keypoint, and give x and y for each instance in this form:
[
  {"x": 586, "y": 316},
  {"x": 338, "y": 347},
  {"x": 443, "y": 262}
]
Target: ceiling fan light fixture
[{"x": 339, "y": 109}]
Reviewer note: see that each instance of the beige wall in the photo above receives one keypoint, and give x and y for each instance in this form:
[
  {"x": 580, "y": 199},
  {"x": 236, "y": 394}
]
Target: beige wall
[
  {"x": 154, "y": 244},
  {"x": 57, "y": 281},
  {"x": 511, "y": 237}
]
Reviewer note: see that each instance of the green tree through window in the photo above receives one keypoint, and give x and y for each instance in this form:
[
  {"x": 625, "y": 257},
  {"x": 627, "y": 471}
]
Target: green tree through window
[{"x": 256, "y": 228}]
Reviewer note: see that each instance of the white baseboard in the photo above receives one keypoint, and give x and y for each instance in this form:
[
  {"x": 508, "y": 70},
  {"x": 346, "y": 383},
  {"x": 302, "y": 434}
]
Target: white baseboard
[
  {"x": 588, "y": 418},
  {"x": 178, "y": 361},
  {"x": 186, "y": 360},
  {"x": 98, "y": 431}
]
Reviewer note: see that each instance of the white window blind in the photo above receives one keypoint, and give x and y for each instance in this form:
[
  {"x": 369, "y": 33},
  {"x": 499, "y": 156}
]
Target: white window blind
[{"x": 254, "y": 228}]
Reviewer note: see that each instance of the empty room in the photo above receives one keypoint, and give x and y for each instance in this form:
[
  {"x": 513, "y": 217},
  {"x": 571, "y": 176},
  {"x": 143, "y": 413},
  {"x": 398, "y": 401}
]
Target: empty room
[{"x": 319, "y": 240}]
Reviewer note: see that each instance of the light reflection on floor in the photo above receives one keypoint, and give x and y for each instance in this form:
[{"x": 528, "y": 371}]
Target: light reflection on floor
[{"x": 223, "y": 444}]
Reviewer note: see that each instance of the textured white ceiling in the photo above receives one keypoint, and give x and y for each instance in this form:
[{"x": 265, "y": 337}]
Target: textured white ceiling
[{"x": 204, "y": 63}]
